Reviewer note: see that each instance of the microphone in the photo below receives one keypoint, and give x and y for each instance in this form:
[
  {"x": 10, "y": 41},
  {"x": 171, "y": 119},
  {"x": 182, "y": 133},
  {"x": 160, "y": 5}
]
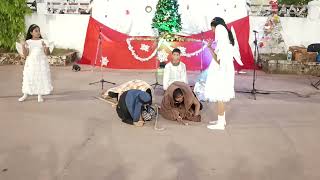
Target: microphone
[{"x": 255, "y": 31}]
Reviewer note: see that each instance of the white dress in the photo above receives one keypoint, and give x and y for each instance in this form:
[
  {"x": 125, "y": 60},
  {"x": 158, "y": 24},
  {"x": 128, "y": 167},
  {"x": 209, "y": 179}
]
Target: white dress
[
  {"x": 220, "y": 79},
  {"x": 36, "y": 73}
]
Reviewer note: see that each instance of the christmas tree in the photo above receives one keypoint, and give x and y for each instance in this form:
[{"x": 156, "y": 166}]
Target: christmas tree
[{"x": 167, "y": 19}]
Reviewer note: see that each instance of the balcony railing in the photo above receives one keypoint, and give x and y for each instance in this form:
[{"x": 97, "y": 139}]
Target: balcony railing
[
  {"x": 68, "y": 8},
  {"x": 281, "y": 10},
  {"x": 62, "y": 7}
]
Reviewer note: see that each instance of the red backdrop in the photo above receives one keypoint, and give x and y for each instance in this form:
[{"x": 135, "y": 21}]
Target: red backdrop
[{"x": 115, "y": 48}]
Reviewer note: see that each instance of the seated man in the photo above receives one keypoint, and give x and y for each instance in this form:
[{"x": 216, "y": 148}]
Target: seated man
[
  {"x": 174, "y": 70},
  {"x": 179, "y": 103}
]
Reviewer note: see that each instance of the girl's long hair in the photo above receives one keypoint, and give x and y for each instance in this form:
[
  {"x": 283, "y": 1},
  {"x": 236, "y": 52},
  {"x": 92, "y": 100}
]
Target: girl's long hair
[
  {"x": 219, "y": 21},
  {"x": 31, "y": 28}
]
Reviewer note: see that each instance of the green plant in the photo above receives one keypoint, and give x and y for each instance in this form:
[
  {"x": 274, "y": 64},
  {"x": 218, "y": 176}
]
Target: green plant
[
  {"x": 294, "y": 2},
  {"x": 12, "y": 22},
  {"x": 167, "y": 19}
]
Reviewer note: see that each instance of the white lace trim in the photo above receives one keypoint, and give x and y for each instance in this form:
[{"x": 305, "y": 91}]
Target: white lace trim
[{"x": 36, "y": 76}]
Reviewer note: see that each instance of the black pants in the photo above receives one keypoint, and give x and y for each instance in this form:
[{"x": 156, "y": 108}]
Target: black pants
[{"x": 122, "y": 110}]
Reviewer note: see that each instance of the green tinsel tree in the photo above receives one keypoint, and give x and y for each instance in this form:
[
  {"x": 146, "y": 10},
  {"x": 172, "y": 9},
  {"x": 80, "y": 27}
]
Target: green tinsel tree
[
  {"x": 167, "y": 19},
  {"x": 295, "y": 2}
]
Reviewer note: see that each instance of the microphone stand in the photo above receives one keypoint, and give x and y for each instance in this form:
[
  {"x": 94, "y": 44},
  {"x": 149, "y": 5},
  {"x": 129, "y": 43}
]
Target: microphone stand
[
  {"x": 156, "y": 64},
  {"x": 254, "y": 91},
  {"x": 99, "y": 55}
]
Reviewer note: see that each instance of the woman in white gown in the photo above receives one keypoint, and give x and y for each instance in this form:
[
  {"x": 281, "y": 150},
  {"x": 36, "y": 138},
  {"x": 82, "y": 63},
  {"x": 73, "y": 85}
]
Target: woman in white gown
[
  {"x": 220, "y": 80},
  {"x": 36, "y": 73}
]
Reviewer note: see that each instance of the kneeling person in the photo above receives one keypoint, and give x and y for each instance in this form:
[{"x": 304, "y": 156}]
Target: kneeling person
[
  {"x": 131, "y": 104},
  {"x": 179, "y": 103}
]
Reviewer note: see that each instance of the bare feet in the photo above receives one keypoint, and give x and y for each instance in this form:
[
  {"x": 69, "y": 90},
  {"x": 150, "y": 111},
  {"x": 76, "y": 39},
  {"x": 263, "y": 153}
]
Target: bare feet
[
  {"x": 139, "y": 123},
  {"x": 182, "y": 122}
]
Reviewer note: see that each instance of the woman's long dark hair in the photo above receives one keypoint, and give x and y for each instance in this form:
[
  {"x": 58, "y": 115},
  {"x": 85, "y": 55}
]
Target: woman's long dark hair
[
  {"x": 219, "y": 21},
  {"x": 31, "y": 28}
]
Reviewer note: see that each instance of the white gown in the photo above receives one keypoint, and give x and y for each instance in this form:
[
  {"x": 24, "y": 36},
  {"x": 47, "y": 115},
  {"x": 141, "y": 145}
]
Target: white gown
[
  {"x": 220, "y": 78},
  {"x": 36, "y": 73}
]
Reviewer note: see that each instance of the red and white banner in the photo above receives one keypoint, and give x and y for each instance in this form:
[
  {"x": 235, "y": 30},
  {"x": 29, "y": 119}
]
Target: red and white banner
[
  {"x": 133, "y": 52},
  {"x": 127, "y": 35}
]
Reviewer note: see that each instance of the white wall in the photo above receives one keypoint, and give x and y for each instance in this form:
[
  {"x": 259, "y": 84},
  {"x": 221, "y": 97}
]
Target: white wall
[
  {"x": 65, "y": 30},
  {"x": 295, "y": 31},
  {"x": 195, "y": 15},
  {"x": 69, "y": 31}
]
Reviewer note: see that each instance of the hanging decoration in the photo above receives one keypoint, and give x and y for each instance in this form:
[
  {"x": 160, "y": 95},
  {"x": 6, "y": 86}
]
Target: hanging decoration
[
  {"x": 161, "y": 56},
  {"x": 104, "y": 61},
  {"x": 183, "y": 50},
  {"x": 148, "y": 9},
  {"x": 173, "y": 37},
  {"x": 144, "y": 47},
  {"x": 133, "y": 52}
]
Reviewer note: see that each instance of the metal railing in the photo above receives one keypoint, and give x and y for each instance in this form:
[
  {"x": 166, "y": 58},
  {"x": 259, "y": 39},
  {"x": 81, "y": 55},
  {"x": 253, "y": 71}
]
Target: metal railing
[
  {"x": 32, "y": 6},
  {"x": 281, "y": 10},
  {"x": 62, "y": 7},
  {"x": 68, "y": 8}
]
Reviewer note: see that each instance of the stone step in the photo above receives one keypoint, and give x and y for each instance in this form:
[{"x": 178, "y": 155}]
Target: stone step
[
  {"x": 15, "y": 58},
  {"x": 291, "y": 67}
]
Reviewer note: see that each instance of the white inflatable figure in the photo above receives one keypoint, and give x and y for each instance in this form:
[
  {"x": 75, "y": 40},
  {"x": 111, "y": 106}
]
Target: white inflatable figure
[
  {"x": 199, "y": 89},
  {"x": 314, "y": 10},
  {"x": 200, "y": 86},
  {"x": 20, "y": 51}
]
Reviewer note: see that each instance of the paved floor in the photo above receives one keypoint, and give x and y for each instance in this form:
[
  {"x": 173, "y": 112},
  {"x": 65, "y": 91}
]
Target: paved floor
[{"x": 73, "y": 136}]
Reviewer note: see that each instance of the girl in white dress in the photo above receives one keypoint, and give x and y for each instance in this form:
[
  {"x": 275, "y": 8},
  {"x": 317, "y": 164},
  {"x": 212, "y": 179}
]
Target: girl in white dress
[
  {"x": 220, "y": 80},
  {"x": 36, "y": 73}
]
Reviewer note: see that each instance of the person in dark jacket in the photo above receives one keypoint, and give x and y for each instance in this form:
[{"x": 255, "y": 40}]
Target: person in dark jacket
[{"x": 131, "y": 104}]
